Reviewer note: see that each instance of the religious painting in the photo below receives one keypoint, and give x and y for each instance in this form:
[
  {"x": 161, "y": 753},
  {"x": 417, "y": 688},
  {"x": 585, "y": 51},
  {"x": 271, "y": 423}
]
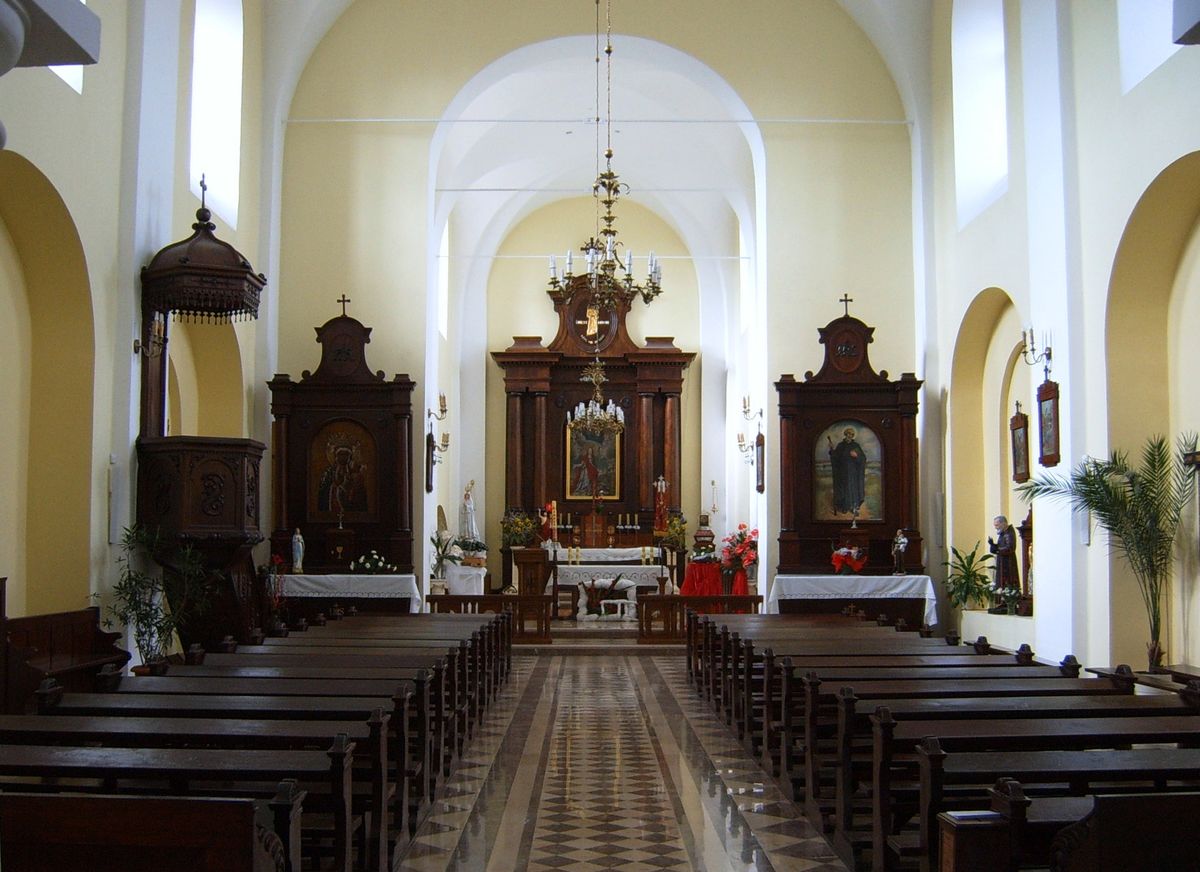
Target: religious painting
[
  {"x": 760, "y": 469},
  {"x": 1047, "y": 398},
  {"x": 848, "y": 473},
  {"x": 342, "y": 471},
  {"x": 1018, "y": 425},
  {"x": 593, "y": 465}
]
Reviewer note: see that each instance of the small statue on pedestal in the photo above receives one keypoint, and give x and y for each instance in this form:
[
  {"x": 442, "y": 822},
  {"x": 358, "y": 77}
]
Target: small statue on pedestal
[
  {"x": 898, "y": 545},
  {"x": 297, "y": 552}
]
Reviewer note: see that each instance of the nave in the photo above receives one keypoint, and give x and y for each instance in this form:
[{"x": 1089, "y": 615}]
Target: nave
[{"x": 602, "y": 762}]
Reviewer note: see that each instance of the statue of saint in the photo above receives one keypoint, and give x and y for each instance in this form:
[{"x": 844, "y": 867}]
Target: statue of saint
[
  {"x": 297, "y": 552},
  {"x": 898, "y": 545},
  {"x": 1004, "y": 546},
  {"x": 467, "y": 528}
]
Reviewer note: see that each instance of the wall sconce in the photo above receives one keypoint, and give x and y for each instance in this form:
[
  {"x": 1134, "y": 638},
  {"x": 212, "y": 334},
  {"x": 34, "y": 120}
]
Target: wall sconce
[
  {"x": 746, "y": 449},
  {"x": 1031, "y": 355},
  {"x": 435, "y": 448},
  {"x": 156, "y": 337},
  {"x": 439, "y": 415},
  {"x": 746, "y": 413},
  {"x": 713, "y": 509},
  {"x": 439, "y": 448}
]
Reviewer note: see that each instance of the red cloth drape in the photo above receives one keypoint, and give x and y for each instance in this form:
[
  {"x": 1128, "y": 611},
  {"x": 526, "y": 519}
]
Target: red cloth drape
[
  {"x": 702, "y": 579},
  {"x": 740, "y": 588}
]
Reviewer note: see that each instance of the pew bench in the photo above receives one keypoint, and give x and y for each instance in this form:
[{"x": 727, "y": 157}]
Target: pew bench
[
  {"x": 68, "y": 647},
  {"x": 49, "y": 832},
  {"x": 895, "y": 767},
  {"x": 1051, "y": 773},
  {"x": 210, "y": 771},
  {"x": 375, "y": 792}
]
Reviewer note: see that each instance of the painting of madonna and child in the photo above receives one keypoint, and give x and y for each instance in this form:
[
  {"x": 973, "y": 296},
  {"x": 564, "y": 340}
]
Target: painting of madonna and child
[{"x": 848, "y": 473}]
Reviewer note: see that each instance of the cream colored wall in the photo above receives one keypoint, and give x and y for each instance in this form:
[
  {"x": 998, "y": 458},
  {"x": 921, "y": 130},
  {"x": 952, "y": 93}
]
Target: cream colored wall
[
  {"x": 834, "y": 190},
  {"x": 15, "y": 377},
  {"x": 1183, "y": 626}
]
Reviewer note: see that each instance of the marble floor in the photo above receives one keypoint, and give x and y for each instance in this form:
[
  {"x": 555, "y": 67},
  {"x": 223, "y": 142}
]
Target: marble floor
[{"x": 610, "y": 761}]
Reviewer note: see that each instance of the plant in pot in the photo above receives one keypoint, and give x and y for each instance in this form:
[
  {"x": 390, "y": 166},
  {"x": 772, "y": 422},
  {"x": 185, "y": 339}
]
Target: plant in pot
[
  {"x": 445, "y": 552},
  {"x": 474, "y": 551},
  {"x": 154, "y": 605},
  {"x": 516, "y": 530},
  {"x": 1140, "y": 509},
  {"x": 968, "y": 577}
]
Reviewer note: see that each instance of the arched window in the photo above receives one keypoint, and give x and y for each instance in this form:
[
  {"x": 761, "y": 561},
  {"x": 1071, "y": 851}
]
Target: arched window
[
  {"x": 72, "y": 74},
  {"x": 216, "y": 137},
  {"x": 980, "y": 105},
  {"x": 1145, "y": 38}
]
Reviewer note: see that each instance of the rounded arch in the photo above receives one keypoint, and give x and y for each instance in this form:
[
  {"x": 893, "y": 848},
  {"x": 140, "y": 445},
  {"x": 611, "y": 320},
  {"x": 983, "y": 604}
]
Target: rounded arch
[
  {"x": 51, "y": 371},
  {"x": 1149, "y": 361},
  {"x": 977, "y": 462},
  {"x": 205, "y": 380}
]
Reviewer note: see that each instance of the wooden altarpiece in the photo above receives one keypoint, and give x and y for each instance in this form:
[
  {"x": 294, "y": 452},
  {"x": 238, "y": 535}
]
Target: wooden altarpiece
[
  {"x": 342, "y": 455},
  {"x": 543, "y": 383},
  {"x": 848, "y": 459}
]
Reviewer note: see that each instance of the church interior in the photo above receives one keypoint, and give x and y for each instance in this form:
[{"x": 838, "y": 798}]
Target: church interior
[{"x": 846, "y": 277}]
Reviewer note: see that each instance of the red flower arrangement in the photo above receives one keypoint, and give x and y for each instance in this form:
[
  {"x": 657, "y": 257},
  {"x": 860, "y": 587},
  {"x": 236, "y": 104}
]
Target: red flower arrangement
[{"x": 740, "y": 550}]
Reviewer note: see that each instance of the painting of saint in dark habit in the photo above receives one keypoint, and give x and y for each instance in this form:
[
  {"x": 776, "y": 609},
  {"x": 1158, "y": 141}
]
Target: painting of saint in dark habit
[{"x": 848, "y": 479}]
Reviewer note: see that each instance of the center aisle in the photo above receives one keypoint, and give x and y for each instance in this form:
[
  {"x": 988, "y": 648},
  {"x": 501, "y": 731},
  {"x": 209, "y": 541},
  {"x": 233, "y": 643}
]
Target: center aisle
[{"x": 602, "y": 762}]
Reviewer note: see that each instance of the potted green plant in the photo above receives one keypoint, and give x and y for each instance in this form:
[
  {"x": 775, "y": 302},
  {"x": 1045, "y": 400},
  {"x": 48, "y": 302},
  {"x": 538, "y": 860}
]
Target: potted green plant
[
  {"x": 1140, "y": 510},
  {"x": 968, "y": 577},
  {"x": 154, "y": 605},
  {"x": 516, "y": 530},
  {"x": 474, "y": 551},
  {"x": 445, "y": 552}
]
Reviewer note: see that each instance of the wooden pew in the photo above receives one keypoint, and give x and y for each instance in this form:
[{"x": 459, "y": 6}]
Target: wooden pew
[
  {"x": 895, "y": 744},
  {"x": 1059, "y": 772},
  {"x": 69, "y": 647},
  {"x": 189, "y": 769},
  {"x": 369, "y": 736},
  {"x": 50, "y": 832},
  {"x": 413, "y": 780}
]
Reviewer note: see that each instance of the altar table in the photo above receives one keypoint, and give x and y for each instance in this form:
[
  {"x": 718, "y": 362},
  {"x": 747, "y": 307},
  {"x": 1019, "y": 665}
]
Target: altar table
[
  {"x": 854, "y": 587},
  {"x": 465, "y": 579},
  {"x": 354, "y": 585},
  {"x": 570, "y": 575}
]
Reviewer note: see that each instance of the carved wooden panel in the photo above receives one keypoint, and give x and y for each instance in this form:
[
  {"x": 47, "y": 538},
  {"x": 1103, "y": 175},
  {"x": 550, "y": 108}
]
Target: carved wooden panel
[
  {"x": 342, "y": 455},
  {"x": 848, "y": 458}
]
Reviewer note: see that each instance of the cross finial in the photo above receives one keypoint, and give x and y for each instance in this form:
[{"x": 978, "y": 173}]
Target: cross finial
[
  {"x": 846, "y": 300},
  {"x": 343, "y": 300}
]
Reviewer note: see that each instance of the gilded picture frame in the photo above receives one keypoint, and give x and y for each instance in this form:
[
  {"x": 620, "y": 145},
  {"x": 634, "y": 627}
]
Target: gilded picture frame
[
  {"x": 1047, "y": 400},
  {"x": 1018, "y": 426}
]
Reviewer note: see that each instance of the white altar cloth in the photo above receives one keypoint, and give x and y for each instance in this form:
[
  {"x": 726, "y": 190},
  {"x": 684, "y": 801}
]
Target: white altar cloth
[
  {"x": 355, "y": 585},
  {"x": 604, "y": 555},
  {"x": 854, "y": 587},
  {"x": 642, "y": 576},
  {"x": 465, "y": 579}
]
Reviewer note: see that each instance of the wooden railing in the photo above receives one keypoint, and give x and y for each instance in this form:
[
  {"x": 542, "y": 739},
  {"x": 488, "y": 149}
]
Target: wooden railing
[
  {"x": 663, "y": 619},
  {"x": 530, "y": 612}
]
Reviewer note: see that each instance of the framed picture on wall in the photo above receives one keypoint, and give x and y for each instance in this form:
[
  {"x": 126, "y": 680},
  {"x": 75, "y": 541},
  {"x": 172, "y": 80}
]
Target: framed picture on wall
[
  {"x": 593, "y": 468},
  {"x": 1047, "y": 399},
  {"x": 1018, "y": 426},
  {"x": 760, "y": 475}
]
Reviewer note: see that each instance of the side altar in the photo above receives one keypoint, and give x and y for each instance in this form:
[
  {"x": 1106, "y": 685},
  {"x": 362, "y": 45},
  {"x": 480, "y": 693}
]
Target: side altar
[
  {"x": 848, "y": 461},
  {"x": 342, "y": 450}
]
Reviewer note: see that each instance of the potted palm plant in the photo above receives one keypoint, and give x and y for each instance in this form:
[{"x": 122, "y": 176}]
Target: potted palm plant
[
  {"x": 1140, "y": 510},
  {"x": 968, "y": 577},
  {"x": 154, "y": 605}
]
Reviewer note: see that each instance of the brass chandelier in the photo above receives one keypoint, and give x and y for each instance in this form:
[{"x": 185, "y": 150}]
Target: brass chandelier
[{"x": 594, "y": 417}]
